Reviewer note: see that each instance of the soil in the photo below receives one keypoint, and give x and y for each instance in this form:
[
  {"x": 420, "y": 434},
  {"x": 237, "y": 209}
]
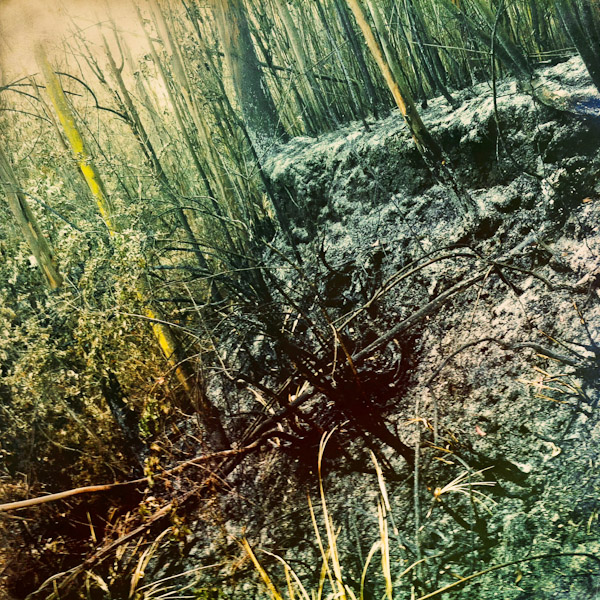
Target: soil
[{"x": 504, "y": 377}]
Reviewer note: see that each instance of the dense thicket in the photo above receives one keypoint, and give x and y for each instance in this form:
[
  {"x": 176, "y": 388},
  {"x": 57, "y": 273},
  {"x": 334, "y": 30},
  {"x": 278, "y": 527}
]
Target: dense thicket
[{"x": 138, "y": 221}]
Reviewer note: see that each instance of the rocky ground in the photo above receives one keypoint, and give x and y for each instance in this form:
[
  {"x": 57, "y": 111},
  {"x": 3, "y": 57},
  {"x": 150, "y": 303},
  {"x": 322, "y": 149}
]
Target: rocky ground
[{"x": 505, "y": 375}]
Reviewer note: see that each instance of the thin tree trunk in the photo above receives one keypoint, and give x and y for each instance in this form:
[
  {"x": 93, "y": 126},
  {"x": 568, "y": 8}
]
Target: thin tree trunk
[
  {"x": 430, "y": 65},
  {"x": 213, "y": 158},
  {"x": 342, "y": 14},
  {"x": 420, "y": 90},
  {"x": 179, "y": 116},
  {"x": 429, "y": 149},
  {"x": 253, "y": 96},
  {"x": 583, "y": 37},
  {"x": 540, "y": 32},
  {"x": 28, "y": 224},
  {"x": 509, "y": 54},
  {"x": 359, "y": 108},
  {"x": 425, "y": 143},
  {"x": 147, "y": 148},
  {"x": 317, "y": 100},
  {"x": 71, "y": 132}
]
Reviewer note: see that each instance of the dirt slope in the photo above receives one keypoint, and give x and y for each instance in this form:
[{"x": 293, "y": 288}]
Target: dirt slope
[
  {"x": 480, "y": 400},
  {"x": 505, "y": 375}
]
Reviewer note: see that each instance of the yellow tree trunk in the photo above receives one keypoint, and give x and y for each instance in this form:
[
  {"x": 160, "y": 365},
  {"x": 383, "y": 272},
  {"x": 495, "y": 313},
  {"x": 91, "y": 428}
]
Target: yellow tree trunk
[
  {"x": 27, "y": 223},
  {"x": 425, "y": 143},
  {"x": 429, "y": 149},
  {"x": 82, "y": 156}
]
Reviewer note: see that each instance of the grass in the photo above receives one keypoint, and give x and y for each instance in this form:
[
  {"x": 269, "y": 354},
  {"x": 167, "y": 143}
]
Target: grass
[{"x": 332, "y": 583}]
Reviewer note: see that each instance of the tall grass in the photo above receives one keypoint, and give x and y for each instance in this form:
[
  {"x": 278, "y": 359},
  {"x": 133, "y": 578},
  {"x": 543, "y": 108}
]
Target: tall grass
[
  {"x": 333, "y": 585},
  {"x": 332, "y": 581}
]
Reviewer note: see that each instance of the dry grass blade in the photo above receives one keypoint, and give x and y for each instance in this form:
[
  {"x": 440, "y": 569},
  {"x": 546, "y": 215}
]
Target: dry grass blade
[
  {"x": 152, "y": 586},
  {"x": 264, "y": 575},
  {"x": 386, "y": 568},
  {"x": 289, "y": 575},
  {"x": 458, "y": 484},
  {"x": 331, "y": 535},
  {"x": 374, "y": 548},
  {"x": 381, "y": 482},
  {"x": 140, "y": 569},
  {"x": 331, "y": 569},
  {"x": 97, "y": 580}
]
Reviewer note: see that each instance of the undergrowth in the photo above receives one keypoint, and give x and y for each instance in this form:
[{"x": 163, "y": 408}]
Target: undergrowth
[{"x": 390, "y": 574}]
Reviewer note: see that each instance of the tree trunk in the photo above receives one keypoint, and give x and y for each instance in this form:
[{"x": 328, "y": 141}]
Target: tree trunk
[
  {"x": 425, "y": 143},
  {"x": 358, "y": 106},
  {"x": 71, "y": 132},
  {"x": 429, "y": 58},
  {"x": 27, "y": 223},
  {"x": 492, "y": 34},
  {"x": 581, "y": 31},
  {"x": 314, "y": 92},
  {"x": 252, "y": 93},
  {"x": 428, "y": 147},
  {"x": 342, "y": 14},
  {"x": 212, "y": 158},
  {"x": 139, "y": 131}
]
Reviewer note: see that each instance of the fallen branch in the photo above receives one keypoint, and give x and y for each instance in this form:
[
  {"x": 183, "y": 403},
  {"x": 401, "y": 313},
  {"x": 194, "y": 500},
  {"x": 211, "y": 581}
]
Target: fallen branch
[
  {"x": 413, "y": 319},
  {"x": 88, "y": 489},
  {"x": 394, "y": 280},
  {"x": 221, "y": 471},
  {"x": 542, "y": 350},
  {"x": 93, "y": 489},
  {"x": 68, "y": 577}
]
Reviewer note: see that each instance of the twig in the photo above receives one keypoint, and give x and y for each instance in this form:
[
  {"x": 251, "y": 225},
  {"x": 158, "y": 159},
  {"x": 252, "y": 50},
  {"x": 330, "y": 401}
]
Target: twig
[
  {"x": 394, "y": 280},
  {"x": 101, "y": 554},
  {"x": 413, "y": 319},
  {"x": 416, "y": 484},
  {"x": 532, "y": 345},
  {"x": 88, "y": 489},
  {"x": 551, "y": 286}
]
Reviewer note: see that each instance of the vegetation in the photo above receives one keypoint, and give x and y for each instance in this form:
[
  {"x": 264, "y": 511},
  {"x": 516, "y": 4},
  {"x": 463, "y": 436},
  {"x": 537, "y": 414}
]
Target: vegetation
[{"x": 162, "y": 308}]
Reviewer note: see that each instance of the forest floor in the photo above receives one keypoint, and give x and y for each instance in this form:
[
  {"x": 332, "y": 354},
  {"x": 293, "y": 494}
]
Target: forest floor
[
  {"x": 505, "y": 375},
  {"x": 499, "y": 384},
  {"x": 509, "y": 369}
]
